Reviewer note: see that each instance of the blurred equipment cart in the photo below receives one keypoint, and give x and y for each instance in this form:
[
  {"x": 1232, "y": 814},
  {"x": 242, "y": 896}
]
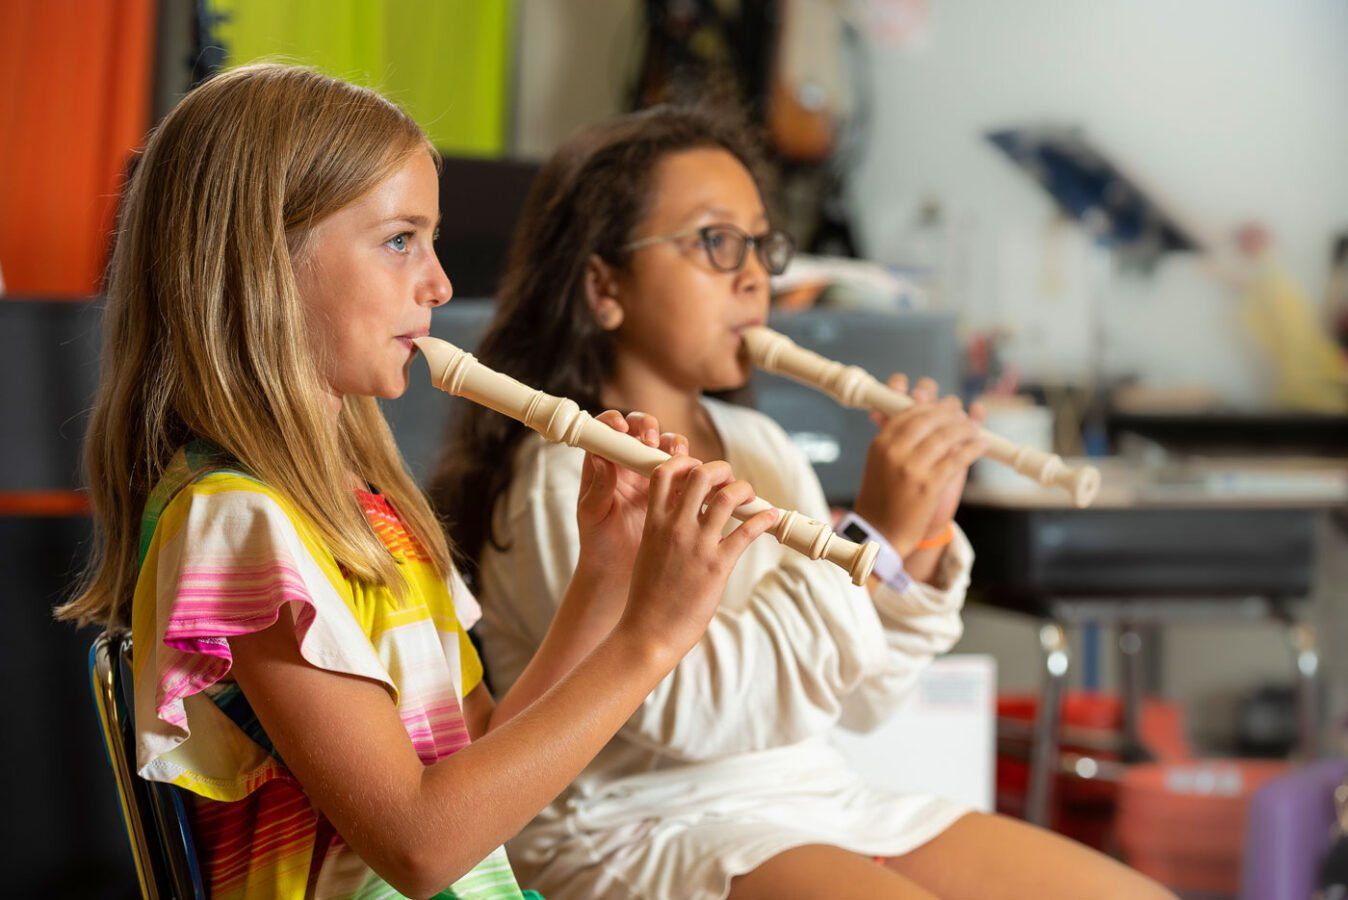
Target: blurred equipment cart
[{"x": 1212, "y": 541}]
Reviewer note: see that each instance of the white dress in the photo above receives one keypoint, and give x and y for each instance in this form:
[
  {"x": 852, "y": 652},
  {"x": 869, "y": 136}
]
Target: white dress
[{"x": 728, "y": 762}]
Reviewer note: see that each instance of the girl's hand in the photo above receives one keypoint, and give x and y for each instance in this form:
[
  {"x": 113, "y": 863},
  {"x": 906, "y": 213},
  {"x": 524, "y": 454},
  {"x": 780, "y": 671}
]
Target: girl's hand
[
  {"x": 917, "y": 465},
  {"x": 684, "y": 560},
  {"x": 950, "y": 500},
  {"x": 611, "y": 510}
]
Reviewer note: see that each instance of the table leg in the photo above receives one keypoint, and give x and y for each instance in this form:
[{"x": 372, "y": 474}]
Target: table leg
[
  {"x": 1131, "y": 679},
  {"x": 1305, "y": 655},
  {"x": 1044, "y": 754}
]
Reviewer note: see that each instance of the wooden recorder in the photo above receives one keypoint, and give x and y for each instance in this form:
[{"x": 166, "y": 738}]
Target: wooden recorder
[
  {"x": 558, "y": 419},
  {"x": 854, "y": 387}
]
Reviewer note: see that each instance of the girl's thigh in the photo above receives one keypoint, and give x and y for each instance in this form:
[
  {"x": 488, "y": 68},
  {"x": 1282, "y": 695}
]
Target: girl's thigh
[
  {"x": 990, "y": 856},
  {"x": 822, "y": 872}
]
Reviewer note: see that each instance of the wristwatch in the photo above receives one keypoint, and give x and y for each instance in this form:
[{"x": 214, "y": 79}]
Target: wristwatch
[{"x": 888, "y": 563}]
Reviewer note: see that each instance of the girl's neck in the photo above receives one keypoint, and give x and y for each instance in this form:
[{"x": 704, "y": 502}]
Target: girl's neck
[
  {"x": 679, "y": 409},
  {"x": 333, "y": 401}
]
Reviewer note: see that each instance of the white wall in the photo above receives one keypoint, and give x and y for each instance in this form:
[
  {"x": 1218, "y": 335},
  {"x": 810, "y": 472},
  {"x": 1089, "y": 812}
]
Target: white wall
[
  {"x": 576, "y": 61},
  {"x": 1232, "y": 109}
]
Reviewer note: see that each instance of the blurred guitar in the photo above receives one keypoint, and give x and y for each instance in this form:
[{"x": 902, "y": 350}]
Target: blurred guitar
[{"x": 809, "y": 94}]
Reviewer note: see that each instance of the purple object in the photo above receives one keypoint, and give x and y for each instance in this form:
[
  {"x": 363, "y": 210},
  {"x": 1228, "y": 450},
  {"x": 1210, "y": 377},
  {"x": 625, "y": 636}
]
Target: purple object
[{"x": 1288, "y": 831}]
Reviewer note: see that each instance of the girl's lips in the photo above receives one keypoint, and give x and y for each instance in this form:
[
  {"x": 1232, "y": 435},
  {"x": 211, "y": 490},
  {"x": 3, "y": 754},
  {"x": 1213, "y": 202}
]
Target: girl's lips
[{"x": 407, "y": 339}]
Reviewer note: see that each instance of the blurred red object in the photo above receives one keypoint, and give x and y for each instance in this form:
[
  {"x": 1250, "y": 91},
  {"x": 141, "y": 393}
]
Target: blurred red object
[
  {"x": 75, "y": 90},
  {"x": 1092, "y": 726},
  {"x": 1184, "y": 823}
]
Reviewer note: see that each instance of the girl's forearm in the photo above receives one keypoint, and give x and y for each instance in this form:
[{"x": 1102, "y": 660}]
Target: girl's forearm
[
  {"x": 483, "y": 795},
  {"x": 922, "y": 564},
  {"x": 420, "y": 826}
]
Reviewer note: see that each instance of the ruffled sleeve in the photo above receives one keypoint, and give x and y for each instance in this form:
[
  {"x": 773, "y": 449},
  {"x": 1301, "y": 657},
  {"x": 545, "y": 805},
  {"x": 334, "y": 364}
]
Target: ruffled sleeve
[
  {"x": 226, "y": 555},
  {"x": 466, "y": 614}
]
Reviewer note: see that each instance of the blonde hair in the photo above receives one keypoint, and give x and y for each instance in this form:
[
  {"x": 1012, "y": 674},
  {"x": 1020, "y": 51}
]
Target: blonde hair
[{"x": 204, "y": 333}]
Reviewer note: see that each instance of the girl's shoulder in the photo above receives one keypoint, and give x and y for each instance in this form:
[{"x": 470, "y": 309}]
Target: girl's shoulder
[
  {"x": 199, "y": 469},
  {"x": 209, "y": 513},
  {"x": 212, "y": 487}
]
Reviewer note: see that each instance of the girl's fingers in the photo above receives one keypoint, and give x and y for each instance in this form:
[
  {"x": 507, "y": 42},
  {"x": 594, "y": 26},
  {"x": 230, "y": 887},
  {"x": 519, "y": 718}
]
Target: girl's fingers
[
  {"x": 605, "y": 475},
  {"x": 613, "y": 419},
  {"x": 663, "y": 482},
  {"x": 925, "y": 391},
  {"x": 899, "y": 382},
  {"x": 905, "y": 431},
  {"x": 674, "y": 444},
  {"x": 978, "y": 412},
  {"x": 955, "y": 431},
  {"x": 972, "y": 451},
  {"x": 734, "y": 544},
  {"x": 697, "y": 484},
  {"x": 598, "y": 481},
  {"x": 724, "y": 502},
  {"x": 949, "y": 469},
  {"x": 587, "y": 474},
  {"x": 644, "y": 427},
  {"x": 959, "y": 459}
]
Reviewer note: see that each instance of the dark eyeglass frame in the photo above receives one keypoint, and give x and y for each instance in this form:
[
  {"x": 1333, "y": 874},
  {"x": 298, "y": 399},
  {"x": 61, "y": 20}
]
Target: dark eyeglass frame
[{"x": 705, "y": 233}]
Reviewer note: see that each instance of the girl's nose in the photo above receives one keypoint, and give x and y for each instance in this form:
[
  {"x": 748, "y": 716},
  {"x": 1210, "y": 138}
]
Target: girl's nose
[
  {"x": 752, "y": 277},
  {"x": 437, "y": 289}
]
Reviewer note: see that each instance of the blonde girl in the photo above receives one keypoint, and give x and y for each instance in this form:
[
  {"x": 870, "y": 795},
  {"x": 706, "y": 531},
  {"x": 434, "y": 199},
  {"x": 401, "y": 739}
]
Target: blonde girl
[{"x": 300, "y": 663}]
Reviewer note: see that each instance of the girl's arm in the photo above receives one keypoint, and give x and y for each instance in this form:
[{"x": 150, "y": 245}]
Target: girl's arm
[
  {"x": 804, "y": 650},
  {"x": 422, "y": 827},
  {"x": 914, "y": 474},
  {"x": 610, "y": 515}
]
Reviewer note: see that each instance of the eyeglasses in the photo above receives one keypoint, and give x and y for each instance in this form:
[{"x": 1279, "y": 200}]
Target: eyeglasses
[{"x": 727, "y": 246}]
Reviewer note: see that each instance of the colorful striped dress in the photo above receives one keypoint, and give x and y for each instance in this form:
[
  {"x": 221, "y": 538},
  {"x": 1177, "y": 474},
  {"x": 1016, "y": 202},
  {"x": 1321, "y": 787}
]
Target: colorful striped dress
[{"x": 220, "y": 553}]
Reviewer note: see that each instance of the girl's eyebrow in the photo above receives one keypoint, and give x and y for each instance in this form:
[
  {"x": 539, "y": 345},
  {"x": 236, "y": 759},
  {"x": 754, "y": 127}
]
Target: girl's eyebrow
[
  {"x": 413, "y": 220},
  {"x": 719, "y": 212}
]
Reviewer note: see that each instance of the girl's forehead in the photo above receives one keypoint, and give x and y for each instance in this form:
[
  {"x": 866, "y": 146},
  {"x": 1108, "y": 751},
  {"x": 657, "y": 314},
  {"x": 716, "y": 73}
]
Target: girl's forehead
[
  {"x": 411, "y": 190},
  {"x": 705, "y": 181}
]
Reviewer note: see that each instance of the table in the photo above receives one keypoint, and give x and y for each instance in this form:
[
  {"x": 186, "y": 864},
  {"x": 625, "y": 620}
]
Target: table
[{"x": 1196, "y": 541}]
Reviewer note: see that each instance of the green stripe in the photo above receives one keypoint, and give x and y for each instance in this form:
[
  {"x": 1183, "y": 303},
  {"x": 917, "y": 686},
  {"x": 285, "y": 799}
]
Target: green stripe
[
  {"x": 191, "y": 462},
  {"x": 491, "y": 879}
]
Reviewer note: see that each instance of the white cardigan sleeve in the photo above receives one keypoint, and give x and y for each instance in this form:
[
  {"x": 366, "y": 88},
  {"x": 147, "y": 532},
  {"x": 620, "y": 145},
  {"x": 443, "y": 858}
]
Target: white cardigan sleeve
[
  {"x": 918, "y": 623},
  {"x": 799, "y": 649}
]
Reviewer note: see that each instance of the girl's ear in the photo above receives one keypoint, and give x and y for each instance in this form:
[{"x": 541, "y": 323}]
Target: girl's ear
[{"x": 601, "y": 293}]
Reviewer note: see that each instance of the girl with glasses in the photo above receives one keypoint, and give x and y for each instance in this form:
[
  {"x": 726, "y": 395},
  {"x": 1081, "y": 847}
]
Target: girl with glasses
[{"x": 644, "y": 250}]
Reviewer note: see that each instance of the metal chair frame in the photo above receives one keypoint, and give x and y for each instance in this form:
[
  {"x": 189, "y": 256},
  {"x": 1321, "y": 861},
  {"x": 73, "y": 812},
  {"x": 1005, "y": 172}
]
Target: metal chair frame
[{"x": 154, "y": 813}]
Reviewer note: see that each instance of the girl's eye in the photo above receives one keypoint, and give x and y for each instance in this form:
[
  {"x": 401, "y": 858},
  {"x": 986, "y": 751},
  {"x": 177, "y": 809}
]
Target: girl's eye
[{"x": 399, "y": 242}]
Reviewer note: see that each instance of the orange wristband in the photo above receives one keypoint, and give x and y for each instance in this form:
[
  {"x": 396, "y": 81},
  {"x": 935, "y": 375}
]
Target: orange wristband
[{"x": 940, "y": 540}]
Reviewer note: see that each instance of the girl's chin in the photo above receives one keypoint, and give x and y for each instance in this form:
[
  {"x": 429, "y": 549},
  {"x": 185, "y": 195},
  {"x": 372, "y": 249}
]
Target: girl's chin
[
  {"x": 393, "y": 387},
  {"x": 731, "y": 380}
]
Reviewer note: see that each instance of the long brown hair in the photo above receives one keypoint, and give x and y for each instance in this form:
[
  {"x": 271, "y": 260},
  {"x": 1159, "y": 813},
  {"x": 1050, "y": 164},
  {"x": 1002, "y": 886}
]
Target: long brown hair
[
  {"x": 587, "y": 200},
  {"x": 204, "y": 333}
]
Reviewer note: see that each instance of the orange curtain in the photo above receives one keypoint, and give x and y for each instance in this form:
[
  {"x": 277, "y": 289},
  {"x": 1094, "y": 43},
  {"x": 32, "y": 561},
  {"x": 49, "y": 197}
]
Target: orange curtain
[{"x": 75, "y": 84}]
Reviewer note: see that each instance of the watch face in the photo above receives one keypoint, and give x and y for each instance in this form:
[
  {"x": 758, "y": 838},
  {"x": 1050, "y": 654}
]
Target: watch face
[{"x": 854, "y": 532}]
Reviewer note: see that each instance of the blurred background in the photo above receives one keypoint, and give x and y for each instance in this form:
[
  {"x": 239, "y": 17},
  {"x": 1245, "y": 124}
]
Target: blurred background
[{"x": 1123, "y": 224}]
